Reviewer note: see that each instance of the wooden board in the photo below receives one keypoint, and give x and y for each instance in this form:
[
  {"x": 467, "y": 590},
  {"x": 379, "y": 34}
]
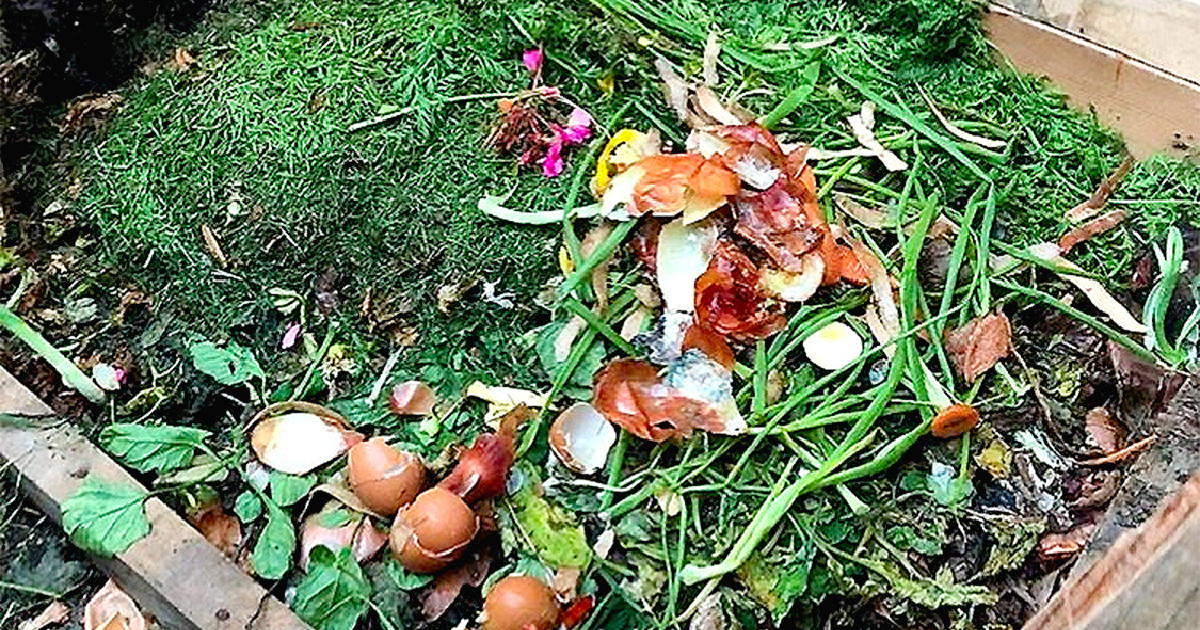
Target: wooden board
[
  {"x": 1161, "y": 33},
  {"x": 1148, "y": 580},
  {"x": 174, "y": 573},
  {"x": 1156, "y": 112}
]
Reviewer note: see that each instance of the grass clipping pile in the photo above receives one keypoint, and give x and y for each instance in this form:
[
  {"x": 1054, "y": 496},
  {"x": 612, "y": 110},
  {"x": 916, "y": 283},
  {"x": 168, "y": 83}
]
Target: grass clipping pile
[{"x": 741, "y": 362}]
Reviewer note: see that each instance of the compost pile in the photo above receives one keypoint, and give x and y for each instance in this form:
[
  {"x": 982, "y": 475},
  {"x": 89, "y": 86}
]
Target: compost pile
[{"x": 790, "y": 385}]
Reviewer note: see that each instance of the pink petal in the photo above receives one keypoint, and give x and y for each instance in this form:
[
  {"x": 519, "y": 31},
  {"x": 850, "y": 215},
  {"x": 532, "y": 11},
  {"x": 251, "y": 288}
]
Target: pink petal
[
  {"x": 575, "y": 135},
  {"x": 119, "y": 373},
  {"x": 532, "y": 59},
  {"x": 552, "y": 164},
  {"x": 579, "y": 118},
  {"x": 289, "y": 337}
]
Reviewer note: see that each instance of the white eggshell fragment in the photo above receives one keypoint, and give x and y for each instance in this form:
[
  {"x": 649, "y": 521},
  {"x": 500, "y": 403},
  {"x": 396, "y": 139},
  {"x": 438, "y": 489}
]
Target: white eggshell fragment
[
  {"x": 833, "y": 347},
  {"x": 582, "y": 438},
  {"x": 296, "y": 443}
]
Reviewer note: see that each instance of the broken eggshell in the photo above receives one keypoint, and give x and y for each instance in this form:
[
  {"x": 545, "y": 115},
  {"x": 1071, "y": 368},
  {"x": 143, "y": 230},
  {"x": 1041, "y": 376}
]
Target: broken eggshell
[
  {"x": 382, "y": 477},
  {"x": 833, "y": 347},
  {"x": 795, "y": 287},
  {"x": 482, "y": 470},
  {"x": 296, "y": 437},
  {"x": 432, "y": 531},
  {"x": 520, "y": 602},
  {"x": 412, "y": 398},
  {"x": 582, "y": 438}
]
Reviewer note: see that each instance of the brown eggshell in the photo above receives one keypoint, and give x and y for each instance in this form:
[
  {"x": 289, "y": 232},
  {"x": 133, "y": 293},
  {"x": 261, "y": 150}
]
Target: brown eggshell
[
  {"x": 432, "y": 531},
  {"x": 519, "y": 602},
  {"x": 383, "y": 478},
  {"x": 412, "y": 398}
]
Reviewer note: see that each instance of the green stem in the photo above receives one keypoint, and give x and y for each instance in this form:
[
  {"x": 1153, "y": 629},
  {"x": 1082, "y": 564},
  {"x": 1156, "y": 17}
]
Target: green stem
[
  {"x": 616, "y": 461},
  {"x": 71, "y": 374},
  {"x": 312, "y": 369},
  {"x": 599, "y": 326},
  {"x": 605, "y": 249},
  {"x": 33, "y": 590}
]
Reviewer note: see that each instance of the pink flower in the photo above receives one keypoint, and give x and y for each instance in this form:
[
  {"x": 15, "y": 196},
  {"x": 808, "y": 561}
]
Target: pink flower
[
  {"x": 532, "y": 59},
  {"x": 289, "y": 337},
  {"x": 552, "y": 164},
  {"x": 119, "y": 374},
  {"x": 579, "y": 127}
]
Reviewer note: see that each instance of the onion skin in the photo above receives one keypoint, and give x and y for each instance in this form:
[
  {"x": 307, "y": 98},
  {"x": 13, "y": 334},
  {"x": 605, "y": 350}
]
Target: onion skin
[
  {"x": 433, "y": 531},
  {"x": 383, "y": 478},
  {"x": 482, "y": 470},
  {"x": 519, "y": 602}
]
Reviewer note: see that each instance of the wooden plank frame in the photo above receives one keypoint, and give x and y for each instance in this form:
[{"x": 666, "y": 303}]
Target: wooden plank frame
[
  {"x": 1155, "y": 111},
  {"x": 173, "y": 573}
]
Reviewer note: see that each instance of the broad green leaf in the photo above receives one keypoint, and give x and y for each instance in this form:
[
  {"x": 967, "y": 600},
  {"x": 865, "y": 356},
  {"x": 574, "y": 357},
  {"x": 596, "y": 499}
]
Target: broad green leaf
[
  {"x": 230, "y": 365},
  {"x": 204, "y": 469},
  {"x": 334, "y": 593},
  {"x": 273, "y": 552},
  {"x": 105, "y": 518},
  {"x": 247, "y": 506},
  {"x": 152, "y": 449},
  {"x": 287, "y": 489},
  {"x": 404, "y": 579}
]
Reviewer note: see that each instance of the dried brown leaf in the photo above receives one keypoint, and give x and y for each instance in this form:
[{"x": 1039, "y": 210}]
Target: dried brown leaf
[
  {"x": 110, "y": 608},
  {"x": 979, "y": 344},
  {"x": 1099, "y": 198},
  {"x": 1121, "y": 455},
  {"x": 1059, "y": 545},
  {"x": 1106, "y": 431},
  {"x": 712, "y": 52},
  {"x": 55, "y": 613},
  {"x": 213, "y": 246},
  {"x": 438, "y": 598},
  {"x": 220, "y": 528},
  {"x": 956, "y": 131},
  {"x": 674, "y": 88},
  {"x": 1099, "y": 225}
]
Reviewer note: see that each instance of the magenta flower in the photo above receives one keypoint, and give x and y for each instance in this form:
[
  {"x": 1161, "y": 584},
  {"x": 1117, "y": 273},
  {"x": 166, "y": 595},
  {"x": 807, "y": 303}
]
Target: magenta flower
[
  {"x": 290, "y": 336},
  {"x": 119, "y": 374},
  {"x": 532, "y": 59},
  {"x": 552, "y": 164},
  {"x": 579, "y": 127}
]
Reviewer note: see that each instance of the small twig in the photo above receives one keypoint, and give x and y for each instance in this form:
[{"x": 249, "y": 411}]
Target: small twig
[
  {"x": 404, "y": 111},
  {"x": 1121, "y": 455},
  {"x": 21, "y": 588}
]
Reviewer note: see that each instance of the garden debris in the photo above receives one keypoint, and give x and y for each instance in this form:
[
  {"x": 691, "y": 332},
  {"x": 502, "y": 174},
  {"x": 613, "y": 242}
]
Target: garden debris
[
  {"x": 683, "y": 253},
  {"x": 213, "y": 246},
  {"x": 695, "y": 393},
  {"x": 1104, "y": 430},
  {"x": 712, "y": 53},
  {"x": 1122, "y": 454},
  {"x": 111, "y": 609},
  {"x": 447, "y": 586},
  {"x": 582, "y": 438},
  {"x": 90, "y": 111},
  {"x": 219, "y": 527},
  {"x": 1098, "y": 225},
  {"x": 956, "y": 131},
  {"x": 182, "y": 60},
  {"x": 863, "y": 124},
  {"x": 412, "y": 398},
  {"x": 1099, "y": 198},
  {"x": 833, "y": 347},
  {"x": 1060, "y": 545},
  {"x": 295, "y": 442},
  {"x": 1092, "y": 289},
  {"x": 954, "y": 421},
  {"x": 53, "y": 614},
  {"x": 336, "y": 529},
  {"x": 482, "y": 470},
  {"x": 503, "y": 400},
  {"x": 979, "y": 344}
]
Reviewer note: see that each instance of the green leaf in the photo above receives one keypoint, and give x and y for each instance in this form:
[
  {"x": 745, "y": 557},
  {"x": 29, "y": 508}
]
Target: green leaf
[
  {"x": 334, "y": 593},
  {"x": 204, "y": 469},
  {"x": 247, "y": 506},
  {"x": 105, "y": 518},
  {"x": 230, "y": 365},
  {"x": 152, "y": 449},
  {"x": 287, "y": 489},
  {"x": 273, "y": 552},
  {"x": 404, "y": 579}
]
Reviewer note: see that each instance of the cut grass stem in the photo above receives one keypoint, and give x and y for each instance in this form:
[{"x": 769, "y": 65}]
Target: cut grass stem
[{"x": 72, "y": 376}]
